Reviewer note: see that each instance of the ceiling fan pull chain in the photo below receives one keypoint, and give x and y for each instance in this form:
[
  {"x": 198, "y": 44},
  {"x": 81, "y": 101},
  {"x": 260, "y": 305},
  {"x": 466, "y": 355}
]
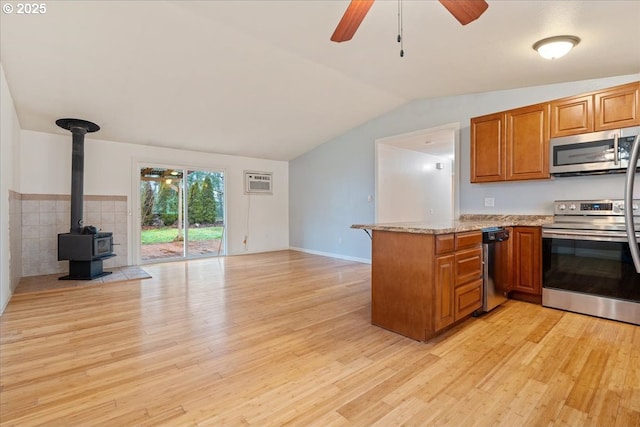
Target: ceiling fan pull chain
[{"x": 400, "y": 28}]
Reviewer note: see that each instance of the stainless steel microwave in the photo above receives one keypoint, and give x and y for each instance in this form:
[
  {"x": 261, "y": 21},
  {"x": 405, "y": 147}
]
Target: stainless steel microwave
[{"x": 592, "y": 153}]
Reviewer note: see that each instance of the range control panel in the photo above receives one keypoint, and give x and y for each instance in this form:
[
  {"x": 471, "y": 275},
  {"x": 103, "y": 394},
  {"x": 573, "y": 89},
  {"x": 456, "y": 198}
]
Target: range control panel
[{"x": 593, "y": 207}]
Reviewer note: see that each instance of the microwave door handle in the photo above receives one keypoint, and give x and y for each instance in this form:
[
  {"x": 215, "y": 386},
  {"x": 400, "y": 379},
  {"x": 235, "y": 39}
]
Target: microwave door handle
[
  {"x": 616, "y": 149},
  {"x": 628, "y": 203}
]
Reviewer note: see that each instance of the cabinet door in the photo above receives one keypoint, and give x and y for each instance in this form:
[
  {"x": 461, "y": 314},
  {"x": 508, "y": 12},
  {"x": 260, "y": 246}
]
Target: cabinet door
[
  {"x": 488, "y": 148},
  {"x": 528, "y": 142},
  {"x": 444, "y": 291},
  {"x": 572, "y": 116},
  {"x": 617, "y": 107},
  {"x": 527, "y": 254}
]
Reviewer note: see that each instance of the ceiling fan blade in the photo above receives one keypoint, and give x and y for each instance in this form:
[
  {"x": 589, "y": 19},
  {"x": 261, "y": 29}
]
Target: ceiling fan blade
[
  {"x": 465, "y": 11},
  {"x": 351, "y": 20}
]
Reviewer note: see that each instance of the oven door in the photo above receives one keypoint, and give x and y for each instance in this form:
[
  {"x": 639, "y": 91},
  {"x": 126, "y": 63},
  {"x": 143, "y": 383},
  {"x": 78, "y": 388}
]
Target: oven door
[{"x": 590, "y": 272}]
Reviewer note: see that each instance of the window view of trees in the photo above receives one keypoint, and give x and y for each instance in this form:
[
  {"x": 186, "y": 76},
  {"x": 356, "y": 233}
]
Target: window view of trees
[
  {"x": 206, "y": 192},
  {"x": 148, "y": 198},
  {"x": 163, "y": 205}
]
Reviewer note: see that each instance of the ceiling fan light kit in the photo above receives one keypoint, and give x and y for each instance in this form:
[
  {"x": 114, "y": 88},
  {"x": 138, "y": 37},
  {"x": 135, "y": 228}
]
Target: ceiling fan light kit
[{"x": 555, "y": 47}]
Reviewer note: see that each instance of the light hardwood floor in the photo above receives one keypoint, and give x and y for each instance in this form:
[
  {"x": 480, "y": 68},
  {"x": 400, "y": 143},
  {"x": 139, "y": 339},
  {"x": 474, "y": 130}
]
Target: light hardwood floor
[{"x": 284, "y": 338}]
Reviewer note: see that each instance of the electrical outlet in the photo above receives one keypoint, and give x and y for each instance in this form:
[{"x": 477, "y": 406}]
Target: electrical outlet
[
  {"x": 369, "y": 198},
  {"x": 339, "y": 240},
  {"x": 489, "y": 202}
]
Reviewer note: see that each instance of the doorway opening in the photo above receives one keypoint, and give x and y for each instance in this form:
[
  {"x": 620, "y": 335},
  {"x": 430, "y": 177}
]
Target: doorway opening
[
  {"x": 181, "y": 214},
  {"x": 416, "y": 176}
]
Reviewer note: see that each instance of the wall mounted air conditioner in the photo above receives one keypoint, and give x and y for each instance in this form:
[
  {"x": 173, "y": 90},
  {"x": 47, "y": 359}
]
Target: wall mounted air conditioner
[{"x": 258, "y": 182}]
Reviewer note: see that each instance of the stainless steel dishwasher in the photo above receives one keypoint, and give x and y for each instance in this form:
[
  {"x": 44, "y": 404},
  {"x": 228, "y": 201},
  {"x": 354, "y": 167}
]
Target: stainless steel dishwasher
[{"x": 494, "y": 293}]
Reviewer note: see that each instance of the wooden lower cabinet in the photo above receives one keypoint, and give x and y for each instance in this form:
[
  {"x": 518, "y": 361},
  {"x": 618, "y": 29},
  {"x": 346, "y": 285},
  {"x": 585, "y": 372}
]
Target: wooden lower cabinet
[
  {"x": 402, "y": 270},
  {"x": 444, "y": 291},
  {"x": 467, "y": 299},
  {"x": 527, "y": 263},
  {"x": 421, "y": 283}
]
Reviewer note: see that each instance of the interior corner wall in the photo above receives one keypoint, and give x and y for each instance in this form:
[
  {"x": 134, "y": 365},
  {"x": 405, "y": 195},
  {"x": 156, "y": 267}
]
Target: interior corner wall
[
  {"x": 9, "y": 185},
  {"x": 45, "y": 169},
  {"x": 330, "y": 185}
]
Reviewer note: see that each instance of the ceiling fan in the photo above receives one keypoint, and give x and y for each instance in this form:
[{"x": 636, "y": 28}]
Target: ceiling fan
[{"x": 464, "y": 11}]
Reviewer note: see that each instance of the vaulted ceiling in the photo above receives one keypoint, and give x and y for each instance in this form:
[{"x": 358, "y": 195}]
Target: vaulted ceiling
[{"x": 262, "y": 79}]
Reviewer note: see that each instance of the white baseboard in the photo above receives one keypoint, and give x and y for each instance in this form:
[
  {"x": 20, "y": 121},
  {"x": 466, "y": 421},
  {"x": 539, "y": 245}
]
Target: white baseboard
[{"x": 328, "y": 254}]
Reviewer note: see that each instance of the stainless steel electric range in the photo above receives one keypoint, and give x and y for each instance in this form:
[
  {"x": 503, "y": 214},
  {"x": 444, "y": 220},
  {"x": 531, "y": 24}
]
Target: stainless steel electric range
[{"x": 587, "y": 260}]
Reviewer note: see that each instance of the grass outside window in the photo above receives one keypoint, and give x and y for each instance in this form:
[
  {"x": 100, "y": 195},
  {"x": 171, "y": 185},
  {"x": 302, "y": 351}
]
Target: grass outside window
[{"x": 169, "y": 234}]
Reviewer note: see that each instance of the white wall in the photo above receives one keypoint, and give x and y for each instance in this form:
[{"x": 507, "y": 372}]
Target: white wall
[
  {"x": 9, "y": 153},
  {"x": 111, "y": 169},
  {"x": 410, "y": 188},
  {"x": 330, "y": 184}
]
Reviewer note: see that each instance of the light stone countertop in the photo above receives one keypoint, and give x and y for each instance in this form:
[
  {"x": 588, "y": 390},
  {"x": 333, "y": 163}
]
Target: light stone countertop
[{"x": 466, "y": 222}]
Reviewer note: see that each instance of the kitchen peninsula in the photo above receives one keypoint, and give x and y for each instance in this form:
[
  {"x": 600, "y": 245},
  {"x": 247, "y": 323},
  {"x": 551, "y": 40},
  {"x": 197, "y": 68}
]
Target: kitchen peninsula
[{"x": 427, "y": 277}]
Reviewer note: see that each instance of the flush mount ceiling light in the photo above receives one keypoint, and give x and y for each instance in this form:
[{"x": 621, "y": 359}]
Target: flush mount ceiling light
[{"x": 555, "y": 47}]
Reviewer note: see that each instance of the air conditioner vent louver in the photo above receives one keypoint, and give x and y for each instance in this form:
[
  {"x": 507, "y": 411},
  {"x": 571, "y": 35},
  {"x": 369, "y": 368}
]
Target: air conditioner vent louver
[{"x": 258, "y": 182}]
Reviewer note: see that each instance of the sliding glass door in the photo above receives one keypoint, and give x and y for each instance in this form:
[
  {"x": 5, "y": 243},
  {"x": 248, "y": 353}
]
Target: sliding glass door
[
  {"x": 181, "y": 213},
  {"x": 205, "y": 213}
]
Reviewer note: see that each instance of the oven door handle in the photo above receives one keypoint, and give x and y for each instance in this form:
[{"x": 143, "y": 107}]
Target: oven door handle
[
  {"x": 598, "y": 236},
  {"x": 628, "y": 202}
]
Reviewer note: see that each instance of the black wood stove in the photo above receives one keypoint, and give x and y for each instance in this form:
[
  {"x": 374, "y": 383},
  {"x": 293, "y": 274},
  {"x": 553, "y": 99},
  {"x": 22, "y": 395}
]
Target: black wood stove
[{"x": 84, "y": 246}]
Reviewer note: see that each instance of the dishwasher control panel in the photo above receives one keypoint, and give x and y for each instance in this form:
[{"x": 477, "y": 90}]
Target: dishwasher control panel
[{"x": 494, "y": 234}]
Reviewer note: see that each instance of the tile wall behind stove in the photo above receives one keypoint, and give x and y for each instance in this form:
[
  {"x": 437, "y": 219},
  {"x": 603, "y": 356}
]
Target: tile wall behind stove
[{"x": 44, "y": 216}]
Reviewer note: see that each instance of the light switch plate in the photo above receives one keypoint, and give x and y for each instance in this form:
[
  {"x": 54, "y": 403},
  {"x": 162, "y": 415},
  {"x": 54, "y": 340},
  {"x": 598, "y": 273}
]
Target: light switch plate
[{"x": 489, "y": 202}]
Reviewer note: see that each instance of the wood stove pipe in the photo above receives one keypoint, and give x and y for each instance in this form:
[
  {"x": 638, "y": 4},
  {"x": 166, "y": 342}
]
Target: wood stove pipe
[{"x": 78, "y": 129}]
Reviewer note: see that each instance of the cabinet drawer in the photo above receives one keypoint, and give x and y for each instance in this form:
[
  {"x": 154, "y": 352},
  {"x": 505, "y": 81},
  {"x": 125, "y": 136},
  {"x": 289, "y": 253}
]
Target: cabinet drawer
[
  {"x": 444, "y": 243},
  {"x": 468, "y": 265},
  {"x": 467, "y": 299},
  {"x": 468, "y": 240}
]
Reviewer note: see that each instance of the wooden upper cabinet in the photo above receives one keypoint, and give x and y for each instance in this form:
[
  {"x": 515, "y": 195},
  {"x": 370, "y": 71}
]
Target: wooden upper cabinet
[
  {"x": 571, "y": 116},
  {"x": 617, "y": 107},
  {"x": 511, "y": 145},
  {"x": 488, "y": 148},
  {"x": 528, "y": 142},
  {"x": 612, "y": 108},
  {"x": 514, "y": 145}
]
